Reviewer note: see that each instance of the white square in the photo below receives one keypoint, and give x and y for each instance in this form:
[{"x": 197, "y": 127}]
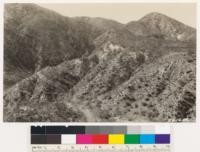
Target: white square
[
  {"x": 162, "y": 130},
  {"x": 147, "y": 130},
  {"x": 68, "y": 139}
]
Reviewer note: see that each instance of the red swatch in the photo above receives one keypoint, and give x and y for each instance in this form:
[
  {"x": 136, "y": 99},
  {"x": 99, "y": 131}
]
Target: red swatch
[{"x": 100, "y": 139}]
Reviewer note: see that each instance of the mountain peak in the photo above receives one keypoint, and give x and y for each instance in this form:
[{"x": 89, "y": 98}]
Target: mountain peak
[
  {"x": 154, "y": 16},
  {"x": 162, "y": 26}
]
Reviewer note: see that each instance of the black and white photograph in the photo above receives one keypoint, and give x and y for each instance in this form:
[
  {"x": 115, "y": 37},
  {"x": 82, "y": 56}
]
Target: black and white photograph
[{"x": 102, "y": 62}]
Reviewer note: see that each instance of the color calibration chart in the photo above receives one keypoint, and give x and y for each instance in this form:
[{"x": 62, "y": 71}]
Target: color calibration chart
[{"x": 100, "y": 139}]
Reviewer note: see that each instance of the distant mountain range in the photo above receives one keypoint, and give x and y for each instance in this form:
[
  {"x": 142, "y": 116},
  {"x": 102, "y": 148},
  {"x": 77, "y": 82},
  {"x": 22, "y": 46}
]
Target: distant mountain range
[{"x": 58, "y": 68}]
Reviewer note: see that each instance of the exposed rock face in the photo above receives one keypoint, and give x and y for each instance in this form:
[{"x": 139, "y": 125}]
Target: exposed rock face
[{"x": 92, "y": 69}]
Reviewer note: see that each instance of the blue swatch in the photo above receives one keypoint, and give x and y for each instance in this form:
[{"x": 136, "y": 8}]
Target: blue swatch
[{"x": 147, "y": 139}]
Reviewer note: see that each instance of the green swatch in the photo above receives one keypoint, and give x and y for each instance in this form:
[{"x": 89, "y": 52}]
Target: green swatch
[{"x": 132, "y": 139}]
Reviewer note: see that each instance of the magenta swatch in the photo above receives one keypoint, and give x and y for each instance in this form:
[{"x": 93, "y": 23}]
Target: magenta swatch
[{"x": 83, "y": 139}]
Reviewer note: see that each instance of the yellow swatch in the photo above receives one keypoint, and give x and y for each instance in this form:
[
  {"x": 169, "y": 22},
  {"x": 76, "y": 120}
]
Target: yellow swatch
[{"x": 116, "y": 139}]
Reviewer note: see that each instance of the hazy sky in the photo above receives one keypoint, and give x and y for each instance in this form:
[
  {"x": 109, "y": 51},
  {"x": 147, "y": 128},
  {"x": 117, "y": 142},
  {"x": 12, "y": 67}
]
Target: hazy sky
[{"x": 184, "y": 12}]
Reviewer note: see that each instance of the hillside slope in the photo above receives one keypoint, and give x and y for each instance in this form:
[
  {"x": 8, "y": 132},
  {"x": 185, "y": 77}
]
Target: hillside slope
[{"x": 36, "y": 38}]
